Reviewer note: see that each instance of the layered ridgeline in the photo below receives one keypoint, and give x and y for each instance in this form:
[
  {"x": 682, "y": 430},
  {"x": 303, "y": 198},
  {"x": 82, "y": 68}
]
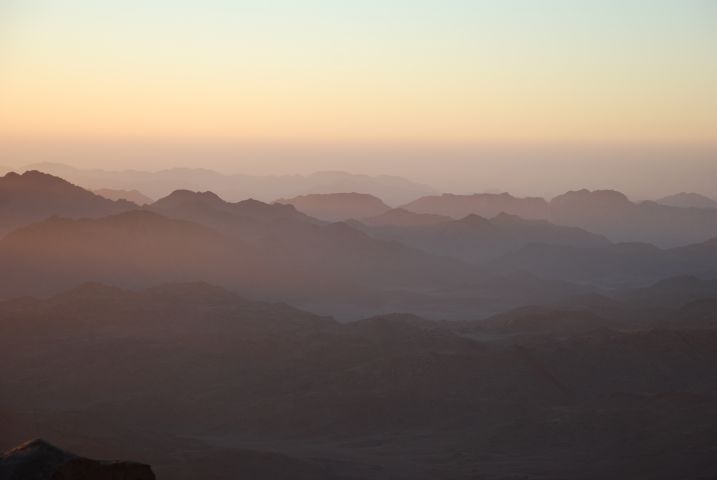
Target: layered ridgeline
[
  {"x": 270, "y": 251},
  {"x": 199, "y": 381},
  {"x": 396, "y": 260},
  {"x": 157, "y": 184},
  {"x": 604, "y": 212},
  {"x": 474, "y": 239}
]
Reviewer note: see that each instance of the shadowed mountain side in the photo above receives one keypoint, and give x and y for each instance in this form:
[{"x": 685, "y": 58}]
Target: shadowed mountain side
[
  {"x": 337, "y": 206},
  {"x": 38, "y": 460},
  {"x": 615, "y": 266},
  {"x": 546, "y": 320},
  {"x": 35, "y": 196},
  {"x": 697, "y": 314},
  {"x": 671, "y": 292},
  {"x": 395, "y": 397},
  {"x": 131, "y": 248},
  {"x": 320, "y": 263},
  {"x": 675, "y": 302},
  {"x": 476, "y": 239}
]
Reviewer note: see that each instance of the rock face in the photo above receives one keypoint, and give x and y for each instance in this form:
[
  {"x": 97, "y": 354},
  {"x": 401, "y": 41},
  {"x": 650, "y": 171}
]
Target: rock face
[{"x": 39, "y": 460}]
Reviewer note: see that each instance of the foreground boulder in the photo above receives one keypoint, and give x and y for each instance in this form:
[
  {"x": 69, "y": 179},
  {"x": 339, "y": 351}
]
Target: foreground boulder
[{"x": 39, "y": 460}]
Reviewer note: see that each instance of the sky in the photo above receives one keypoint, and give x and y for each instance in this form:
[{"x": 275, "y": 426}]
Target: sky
[{"x": 273, "y": 85}]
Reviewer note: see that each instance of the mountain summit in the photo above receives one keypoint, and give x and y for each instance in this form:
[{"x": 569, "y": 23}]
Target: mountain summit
[
  {"x": 40, "y": 460},
  {"x": 34, "y": 196}
]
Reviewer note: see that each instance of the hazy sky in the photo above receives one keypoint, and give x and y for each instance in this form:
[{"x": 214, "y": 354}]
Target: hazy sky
[{"x": 573, "y": 73}]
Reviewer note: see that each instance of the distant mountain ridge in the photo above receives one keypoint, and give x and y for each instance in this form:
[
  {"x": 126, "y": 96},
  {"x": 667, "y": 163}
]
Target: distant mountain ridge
[
  {"x": 605, "y": 212},
  {"x": 398, "y": 260},
  {"x": 688, "y": 200},
  {"x": 483, "y": 204},
  {"x": 474, "y": 238},
  {"x": 612, "y": 214},
  {"x": 338, "y": 206},
  {"x": 134, "y": 196},
  {"x": 234, "y": 187}
]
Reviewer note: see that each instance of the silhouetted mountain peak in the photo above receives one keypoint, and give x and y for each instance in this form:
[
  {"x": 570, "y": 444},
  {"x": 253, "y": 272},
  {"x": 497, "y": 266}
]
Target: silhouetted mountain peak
[
  {"x": 270, "y": 211},
  {"x": 37, "y": 176},
  {"x": 34, "y": 196},
  {"x": 251, "y": 202},
  {"x": 34, "y": 180},
  {"x": 34, "y": 447},
  {"x": 183, "y": 197},
  {"x": 40, "y": 460}
]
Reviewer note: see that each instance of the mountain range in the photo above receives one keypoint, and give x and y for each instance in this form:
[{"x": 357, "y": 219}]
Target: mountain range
[
  {"x": 474, "y": 239},
  {"x": 396, "y": 260},
  {"x": 331, "y": 337},
  {"x": 606, "y": 212},
  {"x": 236, "y": 385},
  {"x": 157, "y": 184},
  {"x": 270, "y": 251},
  {"x": 609, "y": 213}
]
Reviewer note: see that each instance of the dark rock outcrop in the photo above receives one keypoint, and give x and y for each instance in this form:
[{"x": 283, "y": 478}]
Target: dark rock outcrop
[{"x": 39, "y": 460}]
